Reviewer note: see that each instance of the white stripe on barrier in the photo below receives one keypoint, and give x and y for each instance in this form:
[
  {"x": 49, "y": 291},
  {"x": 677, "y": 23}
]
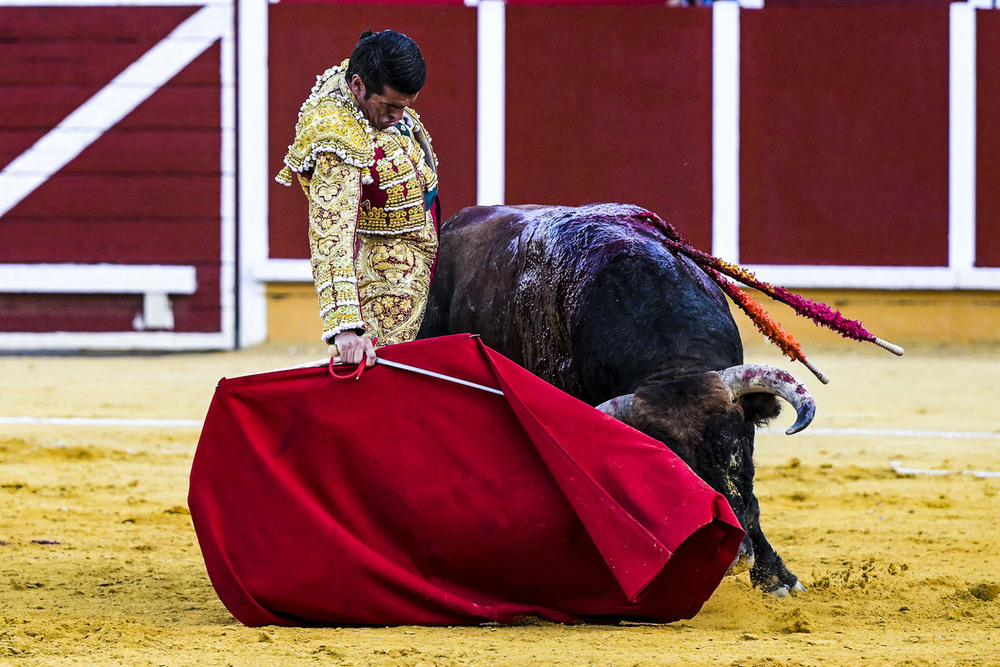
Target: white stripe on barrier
[{"x": 110, "y": 104}]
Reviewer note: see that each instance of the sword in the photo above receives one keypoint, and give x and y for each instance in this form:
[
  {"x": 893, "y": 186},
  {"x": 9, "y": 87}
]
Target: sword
[
  {"x": 406, "y": 367},
  {"x": 440, "y": 376}
]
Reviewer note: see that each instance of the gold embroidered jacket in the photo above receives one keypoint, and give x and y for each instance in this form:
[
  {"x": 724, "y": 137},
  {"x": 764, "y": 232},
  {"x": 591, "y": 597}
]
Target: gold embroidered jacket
[{"x": 358, "y": 181}]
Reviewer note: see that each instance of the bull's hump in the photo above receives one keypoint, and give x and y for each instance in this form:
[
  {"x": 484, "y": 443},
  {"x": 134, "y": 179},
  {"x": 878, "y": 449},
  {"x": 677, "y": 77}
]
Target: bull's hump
[{"x": 602, "y": 231}]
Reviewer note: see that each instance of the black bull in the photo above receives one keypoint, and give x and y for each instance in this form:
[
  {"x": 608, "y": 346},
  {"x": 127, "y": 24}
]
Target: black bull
[{"x": 592, "y": 301}]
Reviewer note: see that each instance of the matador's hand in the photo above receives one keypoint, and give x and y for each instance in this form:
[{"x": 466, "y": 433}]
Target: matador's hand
[{"x": 352, "y": 348}]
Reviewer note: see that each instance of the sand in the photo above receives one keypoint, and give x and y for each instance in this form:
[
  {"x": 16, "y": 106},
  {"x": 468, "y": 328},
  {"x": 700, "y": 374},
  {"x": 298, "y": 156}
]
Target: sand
[{"x": 99, "y": 564}]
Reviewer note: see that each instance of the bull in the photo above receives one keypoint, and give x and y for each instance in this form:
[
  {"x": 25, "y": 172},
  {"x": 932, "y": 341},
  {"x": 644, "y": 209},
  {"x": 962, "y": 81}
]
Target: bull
[{"x": 591, "y": 300}]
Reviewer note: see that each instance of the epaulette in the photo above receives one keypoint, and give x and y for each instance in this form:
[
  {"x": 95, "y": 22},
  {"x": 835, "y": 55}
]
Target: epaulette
[{"x": 328, "y": 125}]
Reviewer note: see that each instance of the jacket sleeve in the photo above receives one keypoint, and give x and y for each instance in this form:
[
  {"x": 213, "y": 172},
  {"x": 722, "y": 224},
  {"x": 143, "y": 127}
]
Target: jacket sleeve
[{"x": 334, "y": 193}]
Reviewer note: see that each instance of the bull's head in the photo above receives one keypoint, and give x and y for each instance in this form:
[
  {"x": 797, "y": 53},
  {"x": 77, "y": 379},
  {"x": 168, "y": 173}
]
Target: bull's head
[{"x": 709, "y": 419}]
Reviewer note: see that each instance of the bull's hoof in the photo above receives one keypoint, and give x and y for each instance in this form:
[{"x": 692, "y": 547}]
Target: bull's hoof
[{"x": 784, "y": 592}]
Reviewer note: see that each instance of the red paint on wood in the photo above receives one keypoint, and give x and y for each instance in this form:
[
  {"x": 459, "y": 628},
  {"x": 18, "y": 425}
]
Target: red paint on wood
[
  {"x": 56, "y": 58},
  {"x": 615, "y": 105},
  {"x": 35, "y": 313},
  {"x": 305, "y": 39},
  {"x": 63, "y": 312},
  {"x": 40, "y": 313},
  {"x": 855, "y": 4},
  {"x": 123, "y": 196},
  {"x": 145, "y": 192},
  {"x": 87, "y": 25},
  {"x": 987, "y": 139},
  {"x": 89, "y": 62},
  {"x": 98, "y": 240},
  {"x": 844, "y": 126}
]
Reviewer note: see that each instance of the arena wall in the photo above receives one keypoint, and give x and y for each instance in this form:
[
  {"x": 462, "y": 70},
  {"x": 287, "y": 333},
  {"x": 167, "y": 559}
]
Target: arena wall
[
  {"x": 853, "y": 178},
  {"x": 904, "y": 317},
  {"x": 847, "y": 147},
  {"x": 116, "y": 142}
]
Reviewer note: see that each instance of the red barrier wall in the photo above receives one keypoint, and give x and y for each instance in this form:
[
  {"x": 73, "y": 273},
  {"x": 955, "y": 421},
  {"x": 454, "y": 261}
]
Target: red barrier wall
[
  {"x": 988, "y": 139},
  {"x": 844, "y": 125},
  {"x": 307, "y": 38},
  {"x": 614, "y": 105},
  {"x": 855, "y": 4},
  {"x": 146, "y": 192}
]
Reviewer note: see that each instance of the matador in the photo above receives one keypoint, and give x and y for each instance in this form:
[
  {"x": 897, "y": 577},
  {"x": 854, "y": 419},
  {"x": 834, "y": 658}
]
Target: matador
[{"x": 367, "y": 168}]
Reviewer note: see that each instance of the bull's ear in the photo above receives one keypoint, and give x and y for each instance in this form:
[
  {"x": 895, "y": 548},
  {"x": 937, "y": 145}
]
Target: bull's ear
[{"x": 619, "y": 407}]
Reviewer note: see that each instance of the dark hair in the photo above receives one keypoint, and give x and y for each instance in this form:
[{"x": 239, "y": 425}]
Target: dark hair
[{"x": 387, "y": 58}]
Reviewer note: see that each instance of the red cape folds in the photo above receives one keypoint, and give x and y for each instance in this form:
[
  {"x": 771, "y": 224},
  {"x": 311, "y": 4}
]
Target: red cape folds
[{"x": 401, "y": 499}]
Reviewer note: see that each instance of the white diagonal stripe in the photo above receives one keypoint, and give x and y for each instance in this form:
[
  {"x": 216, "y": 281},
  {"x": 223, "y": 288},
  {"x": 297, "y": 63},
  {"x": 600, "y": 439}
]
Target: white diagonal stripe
[{"x": 111, "y": 104}]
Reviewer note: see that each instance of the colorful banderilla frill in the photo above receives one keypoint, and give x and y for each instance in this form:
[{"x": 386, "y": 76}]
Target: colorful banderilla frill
[{"x": 820, "y": 313}]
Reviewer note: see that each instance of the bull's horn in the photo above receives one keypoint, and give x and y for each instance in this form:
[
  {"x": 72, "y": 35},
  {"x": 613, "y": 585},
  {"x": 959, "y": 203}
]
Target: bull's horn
[
  {"x": 619, "y": 407},
  {"x": 757, "y": 378}
]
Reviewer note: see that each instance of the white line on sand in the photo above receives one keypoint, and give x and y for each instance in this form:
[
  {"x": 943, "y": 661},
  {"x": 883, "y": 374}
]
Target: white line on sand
[{"x": 103, "y": 421}]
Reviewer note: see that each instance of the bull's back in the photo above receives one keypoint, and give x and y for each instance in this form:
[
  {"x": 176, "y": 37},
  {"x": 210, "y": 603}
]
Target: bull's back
[{"x": 588, "y": 298}]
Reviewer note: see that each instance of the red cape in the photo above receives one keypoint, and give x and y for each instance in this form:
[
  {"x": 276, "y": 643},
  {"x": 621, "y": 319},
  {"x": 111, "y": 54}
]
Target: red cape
[{"x": 403, "y": 499}]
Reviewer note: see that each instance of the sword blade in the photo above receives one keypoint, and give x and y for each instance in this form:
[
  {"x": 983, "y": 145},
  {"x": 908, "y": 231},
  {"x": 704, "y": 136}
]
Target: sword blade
[{"x": 439, "y": 376}]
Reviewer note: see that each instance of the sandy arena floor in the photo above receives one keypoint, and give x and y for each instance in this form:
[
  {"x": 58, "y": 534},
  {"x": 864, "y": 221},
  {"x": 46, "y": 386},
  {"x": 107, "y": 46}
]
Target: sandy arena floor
[{"x": 99, "y": 564}]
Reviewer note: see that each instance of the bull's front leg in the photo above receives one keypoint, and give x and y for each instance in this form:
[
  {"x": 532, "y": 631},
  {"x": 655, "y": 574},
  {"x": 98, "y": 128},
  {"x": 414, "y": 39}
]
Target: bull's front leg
[{"x": 768, "y": 571}]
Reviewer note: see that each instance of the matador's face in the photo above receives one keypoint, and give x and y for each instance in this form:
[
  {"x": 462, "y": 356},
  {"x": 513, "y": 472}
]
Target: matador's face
[{"x": 383, "y": 109}]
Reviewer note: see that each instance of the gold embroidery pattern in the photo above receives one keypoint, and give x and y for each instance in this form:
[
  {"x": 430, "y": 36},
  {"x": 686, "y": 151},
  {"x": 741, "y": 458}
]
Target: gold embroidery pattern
[
  {"x": 334, "y": 193},
  {"x": 377, "y": 220},
  {"x": 403, "y": 185},
  {"x": 329, "y": 122},
  {"x": 328, "y": 126},
  {"x": 394, "y": 275},
  {"x": 378, "y": 280}
]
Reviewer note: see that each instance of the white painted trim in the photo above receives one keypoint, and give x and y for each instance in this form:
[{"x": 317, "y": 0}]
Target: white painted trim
[
  {"x": 962, "y": 137},
  {"x": 253, "y": 170},
  {"x": 726, "y": 130},
  {"x": 154, "y": 282},
  {"x": 878, "y": 277},
  {"x": 283, "y": 271},
  {"x": 110, "y": 105},
  {"x": 750, "y": 4},
  {"x": 490, "y": 136},
  {"x": 96, "y": 278},
  {"x": 825, "y": 277},
  {"x": 125, "y": 341},
  {"x": 228, "y": 228}
]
